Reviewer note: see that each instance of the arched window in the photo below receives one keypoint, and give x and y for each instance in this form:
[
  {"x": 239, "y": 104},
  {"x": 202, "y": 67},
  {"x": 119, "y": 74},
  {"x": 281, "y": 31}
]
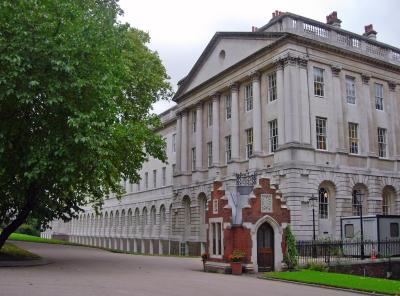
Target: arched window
[
  {"x": 388, "y": 200},
  {"x": 357, "y": 200},
  {"x": 144, "y": 217},
  {"x": 202, "y": 208},
  {"x": 323, "y": 206},
  {"x": 153, "y": 215},
  {"x": 163, "y": 216},
  {"x": 186, "y": 207}
]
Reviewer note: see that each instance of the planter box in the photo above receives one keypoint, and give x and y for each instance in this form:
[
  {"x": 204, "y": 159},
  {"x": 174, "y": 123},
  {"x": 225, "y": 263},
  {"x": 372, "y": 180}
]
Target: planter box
[{"x": 236, "y": 268}]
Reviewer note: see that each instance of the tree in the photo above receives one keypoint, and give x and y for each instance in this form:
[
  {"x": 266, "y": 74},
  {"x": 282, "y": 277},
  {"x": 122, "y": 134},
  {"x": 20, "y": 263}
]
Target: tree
[
  {"x": 76, "y": 90},
  {"x": 290, "y": 256}
]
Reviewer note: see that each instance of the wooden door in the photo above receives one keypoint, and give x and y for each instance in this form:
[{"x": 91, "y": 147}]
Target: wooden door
[{"x": 265, "y": 247}]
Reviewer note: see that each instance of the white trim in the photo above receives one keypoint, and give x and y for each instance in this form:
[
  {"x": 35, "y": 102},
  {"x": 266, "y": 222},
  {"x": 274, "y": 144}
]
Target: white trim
[{"x": 210, "y": 237}]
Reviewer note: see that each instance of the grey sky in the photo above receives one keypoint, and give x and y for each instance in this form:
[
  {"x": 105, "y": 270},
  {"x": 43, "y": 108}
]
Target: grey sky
[{"x": 180, "y": 29}]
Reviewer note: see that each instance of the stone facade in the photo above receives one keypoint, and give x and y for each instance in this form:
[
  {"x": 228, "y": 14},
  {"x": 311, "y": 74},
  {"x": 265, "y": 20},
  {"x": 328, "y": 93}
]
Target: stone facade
[{"x": 311, "y": 107}]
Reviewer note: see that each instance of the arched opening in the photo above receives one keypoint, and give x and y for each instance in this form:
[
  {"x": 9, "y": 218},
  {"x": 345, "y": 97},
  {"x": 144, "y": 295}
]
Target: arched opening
[
  {"x": 388, "y": 200},
  {"x": 144, "y": 217},
  {"x": 116, "y": 228},
  {"x": 123, "y": 231},
  {"x": 163, "y": 216},
  {"x": 327, "y": 209},
  {"x": 186, "y": 209},
  {"x": 265, "y": 247},
  {"x": 202, "y": 200},
  {"x": 359, "y": 200},
  {"x": 137, "y": 220},
  {"x": 153, "y": 216}
]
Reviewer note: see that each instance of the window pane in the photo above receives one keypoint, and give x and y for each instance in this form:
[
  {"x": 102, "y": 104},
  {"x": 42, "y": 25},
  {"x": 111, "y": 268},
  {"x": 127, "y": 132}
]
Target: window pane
[
  {"x": 349, "y": 230},
  {"x": 394, "y": 229}
]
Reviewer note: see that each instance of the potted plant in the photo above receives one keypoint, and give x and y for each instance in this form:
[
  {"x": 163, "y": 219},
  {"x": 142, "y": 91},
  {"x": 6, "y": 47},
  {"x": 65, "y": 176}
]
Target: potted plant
[
  {"x": 236, "y": 261},
  {"x": 204, "y": 258}
]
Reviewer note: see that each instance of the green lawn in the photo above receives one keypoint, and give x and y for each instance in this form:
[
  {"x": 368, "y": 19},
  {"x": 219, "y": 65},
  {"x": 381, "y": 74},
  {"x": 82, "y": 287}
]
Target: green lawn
[
  {"x": 36, "y": 239},
  {"x": 13, "y": 252},
  {"x": 366, "y": 284}
]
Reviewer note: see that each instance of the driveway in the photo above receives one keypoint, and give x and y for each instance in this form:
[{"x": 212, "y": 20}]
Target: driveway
[{"x": 85, "y": 271}]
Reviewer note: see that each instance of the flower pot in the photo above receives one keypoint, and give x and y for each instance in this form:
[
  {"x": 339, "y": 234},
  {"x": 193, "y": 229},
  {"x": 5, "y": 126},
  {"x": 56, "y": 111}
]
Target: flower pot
[{"x": 236, "y": 268}]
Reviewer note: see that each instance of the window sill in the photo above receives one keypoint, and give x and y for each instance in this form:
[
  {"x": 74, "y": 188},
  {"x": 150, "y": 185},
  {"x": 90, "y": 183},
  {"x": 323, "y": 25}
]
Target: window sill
[{"x": 320, "y": 97}]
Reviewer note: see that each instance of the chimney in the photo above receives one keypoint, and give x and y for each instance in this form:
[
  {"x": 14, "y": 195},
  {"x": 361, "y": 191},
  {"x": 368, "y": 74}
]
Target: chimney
[
  {"x": 370, "y": 32},
  {"x": 276, "y": 13},
  {"x": 254, "y": 29},
  {"x": 333, "y": 20}
]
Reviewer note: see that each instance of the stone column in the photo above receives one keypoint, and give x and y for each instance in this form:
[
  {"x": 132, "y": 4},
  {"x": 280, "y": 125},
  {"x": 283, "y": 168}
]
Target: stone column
[
  {"x": 257, "y": 114},
  {"x": 184, "y": 143},
  {"x": 235, "y": 121},
  {"x": 280, "y": 101},
  {"x": 178, "y": 143},
  {"x": 215, "y": 130},
  {"x": 199, "y": 136}
]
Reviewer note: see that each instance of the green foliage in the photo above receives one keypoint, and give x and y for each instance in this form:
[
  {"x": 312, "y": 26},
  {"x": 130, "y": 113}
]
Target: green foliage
[
  {"x": 316, "y": 266},
  {"x": 347, "y": 281},
  {"x": 36, "y": 239},
  {"x": 28, "y": 229},
  {"x": 291, "y": 256},
  {"x": 76, "y": 89}
]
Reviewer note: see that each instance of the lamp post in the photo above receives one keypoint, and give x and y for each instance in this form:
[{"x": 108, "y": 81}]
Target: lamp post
[
  {"x": 312, "y": 199},
  {"x": 360, "y": 202}
]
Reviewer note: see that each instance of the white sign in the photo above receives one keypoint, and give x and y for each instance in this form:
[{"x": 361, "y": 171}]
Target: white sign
[{"x": 266, "y": 203}]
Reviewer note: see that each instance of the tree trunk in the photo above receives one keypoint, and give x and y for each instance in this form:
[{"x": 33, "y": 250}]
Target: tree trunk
[{"x": 31, "y": 198}]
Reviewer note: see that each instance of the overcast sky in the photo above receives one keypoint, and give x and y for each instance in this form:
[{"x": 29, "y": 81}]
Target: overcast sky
[{"x": 180, "y": 30}]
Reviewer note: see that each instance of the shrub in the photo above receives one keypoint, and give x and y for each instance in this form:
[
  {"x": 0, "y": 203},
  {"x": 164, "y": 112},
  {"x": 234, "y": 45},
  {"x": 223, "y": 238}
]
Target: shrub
[
  {"x": 290, "y": 257},
  {"x": 315, "y": 266}
]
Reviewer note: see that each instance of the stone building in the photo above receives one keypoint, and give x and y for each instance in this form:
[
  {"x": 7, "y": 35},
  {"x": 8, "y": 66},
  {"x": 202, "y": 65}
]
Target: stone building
[{"x": 311, "y": 107}]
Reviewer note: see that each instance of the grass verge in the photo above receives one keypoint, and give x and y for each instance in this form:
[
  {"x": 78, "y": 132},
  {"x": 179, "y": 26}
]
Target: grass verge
[
  {"x": 36, "y": 239},
  {"x": 366, "y": 284},
  {"x": 12, "y": 252}
]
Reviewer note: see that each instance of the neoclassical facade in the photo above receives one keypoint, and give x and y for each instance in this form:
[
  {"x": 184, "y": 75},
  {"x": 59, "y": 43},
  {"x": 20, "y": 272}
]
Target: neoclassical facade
[{"x": 308, "y": 105}]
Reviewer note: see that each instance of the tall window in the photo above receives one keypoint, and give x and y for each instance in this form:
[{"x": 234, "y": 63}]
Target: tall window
[
  {"x": 273, "y": 135},
  {"x": 350, "y": 90},
  {"x": 228, "y": 149},
  {"x": 323, "y": 203},
  {"x": 385, "y": 204},
  {"x": 194, "y": 120},
  {"x": 272, "y": 87},
  {"x": 210, "y": 114},
  {"x": 382, "y": 142},
  {"x": 228, "y": 106},
  {"x": 249, "y": 143},
  {"x": 193, "y": 158},
  {"x": 320, "y": 124},
  {"x": 357, "y": 198},
  {"x": 318, "y": 81},
  {"x": 146, "y": 180},
  {"x": 209, "y": 154},
  {"x": 154, "y": 178},
  {"x": 216, "y": 239},
  {"x": 249, "y": 96},
  {"x": 353, "y": 137},
  {"x": 388, "y": 198},
  {"x": 164, "y": 176},
  {"x": 378, "y": 96},
  {"x": 174, "y": 143}
]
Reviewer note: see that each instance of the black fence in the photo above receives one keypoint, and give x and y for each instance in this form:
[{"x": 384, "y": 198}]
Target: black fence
[{"x": 338, "y": 251}]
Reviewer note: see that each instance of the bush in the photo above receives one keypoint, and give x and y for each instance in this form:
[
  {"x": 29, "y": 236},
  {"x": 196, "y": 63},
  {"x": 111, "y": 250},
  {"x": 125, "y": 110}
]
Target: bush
[
  {"x": 290, "y": 257},
  {"x": 28, "y": 229},
  {"x": 315, "y": 266}
]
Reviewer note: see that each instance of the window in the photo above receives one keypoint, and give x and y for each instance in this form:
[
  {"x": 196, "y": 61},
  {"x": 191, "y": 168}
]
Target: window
[
  {"x": 357, "y": 197},
  {"x": 320, "y": 124},
  {"x": 385, "y": 204},
  {"x": 353, "y": 137},
  {"x": 318, "y": 82},
  {"x": 193, "y": 158},
  {"x": 210, "y": 114},
  {"x": 146, "y": 180},
  {"x": 154, "y": 178},
  {"x": 228, "y": 106},
  {"x": 228, "y": 149},
  {"x": 272, "y": 87},
  {"x": 382, "y": 142},
  {"x": 350, "y": 90},
  {"x": 349, "y": 230},
  {"x": 194, "y": 120},
  {"x": 216, "y": 239},
  {"x": 394, "y": 229},
  {"x": 209, "y": 154},
  {"x": 174, "y": 143},
  {"x": 249, "y": 143},
  {"x": 378, "y": 96},
  {"x": 273, "y": 135},
  {"x": 323, "y": 203},
  {"x": 249, "y": 97},
  {"x": 164, "y": 176}
]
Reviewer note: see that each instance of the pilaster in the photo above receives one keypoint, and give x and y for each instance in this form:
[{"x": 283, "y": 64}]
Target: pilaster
[
  {"x": 235, "y": 121},
  {"x": 199, "y": 136},
  {"x": 256, "y": 113},
  {"x": 215, "y": 130}
]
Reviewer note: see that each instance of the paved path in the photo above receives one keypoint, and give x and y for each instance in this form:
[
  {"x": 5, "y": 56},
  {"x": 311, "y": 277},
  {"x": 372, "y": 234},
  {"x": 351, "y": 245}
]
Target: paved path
[{"x": 84, "y": 271}]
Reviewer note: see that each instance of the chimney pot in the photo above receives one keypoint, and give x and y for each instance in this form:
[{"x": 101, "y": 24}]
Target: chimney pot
[
  {"x": 370, "y": 32},
  {"x": 333, "y": 20}
]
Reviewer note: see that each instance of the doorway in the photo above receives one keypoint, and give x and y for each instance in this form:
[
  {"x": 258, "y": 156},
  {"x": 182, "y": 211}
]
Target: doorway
[{"x": 265, "y": 247}]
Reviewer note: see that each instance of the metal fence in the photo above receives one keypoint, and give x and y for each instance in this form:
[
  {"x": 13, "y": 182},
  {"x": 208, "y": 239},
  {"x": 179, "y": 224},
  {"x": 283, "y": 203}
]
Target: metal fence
[{"x": 341, "y": 251}]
